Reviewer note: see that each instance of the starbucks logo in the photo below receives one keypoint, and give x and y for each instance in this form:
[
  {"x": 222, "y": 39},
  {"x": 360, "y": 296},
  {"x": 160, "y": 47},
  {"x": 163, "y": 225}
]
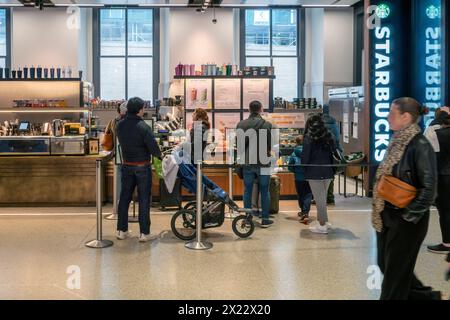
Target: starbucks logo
[
  {"x": 433, "y": 12},
  {"x": 383, "y": 11}
]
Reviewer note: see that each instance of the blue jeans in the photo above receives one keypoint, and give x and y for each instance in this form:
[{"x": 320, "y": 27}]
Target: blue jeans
[
  {"x": 304, "y": 195},
  {"x": 250, "y": 175},
  {"x": 132, "y": 177}
]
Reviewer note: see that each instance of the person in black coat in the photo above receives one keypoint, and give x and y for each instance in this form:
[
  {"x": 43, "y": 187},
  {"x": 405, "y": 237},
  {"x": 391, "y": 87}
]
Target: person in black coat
[
  {"x": 400, "y": 232},
  {"x": 443, "y": 186},
  {"x": 318, "y": 148}
]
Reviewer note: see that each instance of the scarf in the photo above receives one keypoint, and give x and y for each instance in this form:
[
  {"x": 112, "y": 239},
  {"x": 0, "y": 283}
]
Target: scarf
[{"x": 394, "y": 154}]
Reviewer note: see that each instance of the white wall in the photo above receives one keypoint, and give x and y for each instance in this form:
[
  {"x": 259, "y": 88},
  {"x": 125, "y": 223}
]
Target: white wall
[
  {"x": 194, "y": 39},
  {"x": 338, "y": 45},
  {"x": 44, "y": 38},
  {"x": 329, "y": 51}
]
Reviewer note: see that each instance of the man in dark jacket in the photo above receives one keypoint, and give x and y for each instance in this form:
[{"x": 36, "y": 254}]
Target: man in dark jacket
[
  {"x": 442, "y": 200},
  {"x": 256, "y": 160},
  {"x": 331, "y": 125},
  {"x": 138, "y": 145}
]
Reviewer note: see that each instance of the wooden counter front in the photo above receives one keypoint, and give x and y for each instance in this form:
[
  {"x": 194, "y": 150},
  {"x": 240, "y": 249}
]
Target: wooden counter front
[
  {"x": 220, "y": 177},
  {"x": 47, "y": 181}
]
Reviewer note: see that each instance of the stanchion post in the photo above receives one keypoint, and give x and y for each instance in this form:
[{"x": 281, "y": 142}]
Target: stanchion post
[
  {"x": 198, "y": 244},
  {"x": 113, "y": 216},
  {"x": 99, "y": 242}
]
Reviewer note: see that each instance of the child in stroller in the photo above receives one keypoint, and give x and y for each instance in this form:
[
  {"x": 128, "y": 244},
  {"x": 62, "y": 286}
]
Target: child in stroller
[{"x": 213, "y": 212}]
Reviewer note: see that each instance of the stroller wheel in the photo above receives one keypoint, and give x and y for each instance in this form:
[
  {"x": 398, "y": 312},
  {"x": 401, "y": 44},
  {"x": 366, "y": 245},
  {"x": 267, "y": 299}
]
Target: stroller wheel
[
  {"x": 183, "y": 224},
  {"x": 243, "y": 226}
]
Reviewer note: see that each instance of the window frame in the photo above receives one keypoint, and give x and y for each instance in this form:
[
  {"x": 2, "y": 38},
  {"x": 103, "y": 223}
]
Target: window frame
[
  {"x": 97, "y": 50},
  {"x": 7, "y": 57},
  {"x": 300, "y": 52}
]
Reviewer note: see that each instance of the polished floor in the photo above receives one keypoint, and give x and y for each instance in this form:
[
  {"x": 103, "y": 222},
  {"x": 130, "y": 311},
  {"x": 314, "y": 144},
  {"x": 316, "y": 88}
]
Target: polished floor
[{"x": 42, "y": 252}]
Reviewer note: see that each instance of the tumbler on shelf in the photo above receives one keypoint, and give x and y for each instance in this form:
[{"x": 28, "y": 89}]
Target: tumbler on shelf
[
  {"x": 39, "y": 72},
  {"x": 32, "y": 72},
  {"x": 52, "y": 72},
  {"x": 13, "y": 74},
  {"x": 6, "y": 73},
  {"x": 46, "y": 73},
  {"x": 1, "y": 73},
  {"x": 25, "y": 72},
  {"x": 80, "y": 74},
  {"x": 58, "y": 73},
  {"x": 19, "y": 74}
]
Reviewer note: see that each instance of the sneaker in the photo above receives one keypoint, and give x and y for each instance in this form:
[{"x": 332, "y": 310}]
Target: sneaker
[
  {"x": 266, "y": 223},
  {"x": 122, "y": 235},
  {"x": 319, "y": 229},
  {"x": 440, "y": 248},
  {"x": 329, "y": 225},
  {"x": 147, "y": 237},
  {"x": 304, "y": 218}
]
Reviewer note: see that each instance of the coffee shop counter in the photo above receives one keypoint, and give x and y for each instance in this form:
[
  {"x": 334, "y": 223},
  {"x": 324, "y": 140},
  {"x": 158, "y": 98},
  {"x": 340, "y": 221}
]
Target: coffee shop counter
[
  {"x": 47, "y": 180},
  {"x": 219, "y": 176}
]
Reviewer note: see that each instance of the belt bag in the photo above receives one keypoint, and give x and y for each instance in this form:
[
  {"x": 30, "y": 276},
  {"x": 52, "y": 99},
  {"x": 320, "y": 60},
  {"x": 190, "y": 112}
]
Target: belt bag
[{"x": 395, "y": 191}]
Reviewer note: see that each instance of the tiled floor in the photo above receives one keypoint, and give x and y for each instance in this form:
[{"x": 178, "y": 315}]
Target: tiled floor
[{"x": 286, "y": 261}]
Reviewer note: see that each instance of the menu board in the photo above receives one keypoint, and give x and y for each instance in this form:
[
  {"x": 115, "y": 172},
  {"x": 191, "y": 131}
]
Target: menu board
[
  {"x": 227, "y": 94},
  {"x": 256, "y": 89},
  {"x": 198, "y": 93},
  {"x": 286, "y": 120},
  {"x": 222, "y": 122}
]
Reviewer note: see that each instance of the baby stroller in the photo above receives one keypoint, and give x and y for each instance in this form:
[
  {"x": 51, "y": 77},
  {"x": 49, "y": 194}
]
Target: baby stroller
[{"x": 213, "y": 212}]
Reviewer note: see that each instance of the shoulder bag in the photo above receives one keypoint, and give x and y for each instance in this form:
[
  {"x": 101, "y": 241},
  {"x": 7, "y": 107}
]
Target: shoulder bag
[{"x": 396, "y": 191}]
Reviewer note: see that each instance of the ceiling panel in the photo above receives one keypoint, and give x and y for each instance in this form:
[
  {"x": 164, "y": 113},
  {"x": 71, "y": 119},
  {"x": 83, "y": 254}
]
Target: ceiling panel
[{"x": 185, "y": 2}]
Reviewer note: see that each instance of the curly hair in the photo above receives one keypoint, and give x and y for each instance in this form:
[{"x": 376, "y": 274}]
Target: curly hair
[
  {"x": 316, "y": 130},
  {"x": 201, "y": 115}
]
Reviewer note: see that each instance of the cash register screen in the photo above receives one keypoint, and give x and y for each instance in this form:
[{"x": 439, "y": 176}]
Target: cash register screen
[{"x": 24, "y": 126}]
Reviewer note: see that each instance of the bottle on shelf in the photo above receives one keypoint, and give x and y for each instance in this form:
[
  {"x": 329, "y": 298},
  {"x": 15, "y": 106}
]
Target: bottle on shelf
[{"x": 25, "y": 72}]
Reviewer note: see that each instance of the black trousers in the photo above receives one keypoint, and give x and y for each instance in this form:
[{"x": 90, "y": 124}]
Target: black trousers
[
  {"x": 443, "y": 206},
  {"x": 398, "y": 247}
]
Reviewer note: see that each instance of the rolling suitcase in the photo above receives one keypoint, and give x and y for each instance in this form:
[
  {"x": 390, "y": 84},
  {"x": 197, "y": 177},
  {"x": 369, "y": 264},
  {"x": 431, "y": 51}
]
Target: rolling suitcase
[{"x": 274, "y": 192}]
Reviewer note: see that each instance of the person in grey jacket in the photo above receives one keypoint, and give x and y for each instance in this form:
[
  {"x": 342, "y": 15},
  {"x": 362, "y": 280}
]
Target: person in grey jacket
[
  {"x": 255, "y": 160},
  {"x": 331, "y": 125}
]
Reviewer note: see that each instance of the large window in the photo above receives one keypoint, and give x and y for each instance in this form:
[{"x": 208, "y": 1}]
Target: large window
[
  {"x": 126, "y": 47},
  {"x": 4, "y": 45},
  {"x": 271, "y": 38}
]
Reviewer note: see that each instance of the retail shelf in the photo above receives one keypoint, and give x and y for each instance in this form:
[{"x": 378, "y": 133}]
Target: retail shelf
[
  {"x": 40, "y": 79},
  {"x": 43, "y": 110},
  {"x": 296, "y": 110},
  {"x": 224, "y": 77}
]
